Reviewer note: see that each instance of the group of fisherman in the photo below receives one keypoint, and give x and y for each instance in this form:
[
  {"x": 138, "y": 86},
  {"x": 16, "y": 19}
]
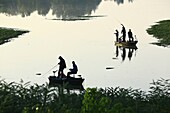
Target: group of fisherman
[
  {"x": 74, "y": 70},
  {"x": 62, "y": 66},
  {"x": 123, "y": 37}
]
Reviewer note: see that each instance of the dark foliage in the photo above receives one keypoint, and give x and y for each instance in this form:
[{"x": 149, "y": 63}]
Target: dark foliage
[
  {"x": 26, "y": 98},
  {"x": 7, "y": 34},
  {"x": 161, "y": 31}
]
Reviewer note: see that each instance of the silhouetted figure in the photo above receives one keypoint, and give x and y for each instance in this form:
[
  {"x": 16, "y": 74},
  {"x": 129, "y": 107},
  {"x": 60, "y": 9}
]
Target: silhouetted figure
[
  {"x": 117, "y": 35},
  {"x": 124, "y": 33},
  {"x": 130, "y": 35},
  {"x": 62, "y": 66},
  {"x": 74, "y": 70}
]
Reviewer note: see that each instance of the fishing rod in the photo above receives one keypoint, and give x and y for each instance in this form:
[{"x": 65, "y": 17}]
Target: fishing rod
[
  {"x": 47, "y": 71},
  {"x": 117, "y": 21}
]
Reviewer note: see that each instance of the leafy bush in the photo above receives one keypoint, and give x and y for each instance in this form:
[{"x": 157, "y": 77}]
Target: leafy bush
[{"x": 26, "y": 98}]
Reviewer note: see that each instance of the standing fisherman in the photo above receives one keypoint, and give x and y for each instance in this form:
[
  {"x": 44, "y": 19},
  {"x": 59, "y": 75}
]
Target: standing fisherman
[
  {"x": 117, "y": 35},
  {"x": 62, "y": 66},
  {"x": 124, "y": 33}
]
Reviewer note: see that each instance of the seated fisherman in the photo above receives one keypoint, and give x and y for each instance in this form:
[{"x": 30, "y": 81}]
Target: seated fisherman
[{"x": 74, "y": 70}]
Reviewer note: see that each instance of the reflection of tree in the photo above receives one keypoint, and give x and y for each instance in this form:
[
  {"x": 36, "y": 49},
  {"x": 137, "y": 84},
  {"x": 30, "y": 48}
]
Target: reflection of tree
[
  {"x": 74, "y": 8},
  {"x": 60, "y": 8},
  {"x": 121, "y": 1},
  {"x": 16, "y": 7},
  {"x": 42, "y": 6}
]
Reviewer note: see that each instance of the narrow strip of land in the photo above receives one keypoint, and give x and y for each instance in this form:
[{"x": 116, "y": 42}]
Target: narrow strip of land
[
  {"x": 161, "y": 31},
  {"x": 6, "y": 34}
]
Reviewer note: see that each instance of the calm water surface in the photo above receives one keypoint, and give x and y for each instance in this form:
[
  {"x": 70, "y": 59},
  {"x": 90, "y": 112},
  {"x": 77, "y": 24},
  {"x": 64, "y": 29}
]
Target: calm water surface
[{"x": 84, "y": 32}]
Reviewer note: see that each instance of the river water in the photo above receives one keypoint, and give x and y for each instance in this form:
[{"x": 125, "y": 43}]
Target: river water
[{"x": 84, "y": 32}]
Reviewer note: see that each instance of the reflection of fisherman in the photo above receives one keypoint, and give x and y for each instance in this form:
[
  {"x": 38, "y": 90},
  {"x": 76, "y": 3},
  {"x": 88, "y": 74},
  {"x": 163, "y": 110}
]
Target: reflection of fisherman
[
  {"x": 123, "y": 54},
  {"x": 117, "y": 35},
  {"x": 124, "y": 33},
  {"x": 130, "y": 53},
  {"x": 62, "y": 66},
  {"x": 130, "y": 35},
  {"x": 73, "y": 70},
  {"x": 117, "y": 51}
]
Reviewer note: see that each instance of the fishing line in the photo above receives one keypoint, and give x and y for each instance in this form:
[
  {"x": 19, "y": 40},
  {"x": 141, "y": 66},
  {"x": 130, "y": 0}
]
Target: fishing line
[
  {"x": 116, "y": 21},
  {"x": 47, "y": 71}
]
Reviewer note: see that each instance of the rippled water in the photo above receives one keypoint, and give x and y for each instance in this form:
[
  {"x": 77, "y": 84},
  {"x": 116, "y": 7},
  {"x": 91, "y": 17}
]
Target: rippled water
[{"x": 84, "y": 32}]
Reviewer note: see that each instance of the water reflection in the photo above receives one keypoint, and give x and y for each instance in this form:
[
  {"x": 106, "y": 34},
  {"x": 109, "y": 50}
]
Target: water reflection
[
  {"x": 122, "y": 1},
  {"x": 65, "y": 88},
  {"x": 68, "y": 88},
  {"x": 63, "y": 9},
  {"x": 123, "y": 52}
]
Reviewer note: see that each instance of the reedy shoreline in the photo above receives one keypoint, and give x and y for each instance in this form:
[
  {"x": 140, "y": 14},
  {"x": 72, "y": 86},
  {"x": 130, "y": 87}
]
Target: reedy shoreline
[
  {"x": 6, "y": 34},
  {"x": 161, "y": 31}
]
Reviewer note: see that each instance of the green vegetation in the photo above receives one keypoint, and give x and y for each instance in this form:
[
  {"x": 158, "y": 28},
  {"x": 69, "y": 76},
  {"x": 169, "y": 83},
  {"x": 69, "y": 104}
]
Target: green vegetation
[
  {"x": 161, "y": 31},
  {"x": 27, "y": 98},
  {"x": 7, "y": 34}
]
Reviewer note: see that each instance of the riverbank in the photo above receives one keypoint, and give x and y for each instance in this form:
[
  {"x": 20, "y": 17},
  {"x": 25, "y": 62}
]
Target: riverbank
[
  {"x": 6, "y": 34},
  {"x": 161, "y": 31}
]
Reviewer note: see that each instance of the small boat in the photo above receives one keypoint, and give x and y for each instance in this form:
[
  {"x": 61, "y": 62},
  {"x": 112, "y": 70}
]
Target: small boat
[
  {"x": 127, "y": 44},
  {"x": 67, "y": 80}
]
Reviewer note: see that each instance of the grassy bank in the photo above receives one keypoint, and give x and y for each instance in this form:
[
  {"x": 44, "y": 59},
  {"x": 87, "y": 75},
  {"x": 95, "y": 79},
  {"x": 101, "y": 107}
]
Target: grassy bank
[
  {"x": 7, "y": 34},
  {"x": 26, "y": 98},
  {"x": 161, "y": 31}
]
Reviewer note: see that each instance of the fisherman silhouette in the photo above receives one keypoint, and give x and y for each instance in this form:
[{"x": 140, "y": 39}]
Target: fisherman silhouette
[
  {"x": 130, "y": 35},
  {"x": 73, "y": 70},
  {"x": 117, "y": 35},
  {"x": 62, "y": 66},
  {"x": 124, "y": 33}
]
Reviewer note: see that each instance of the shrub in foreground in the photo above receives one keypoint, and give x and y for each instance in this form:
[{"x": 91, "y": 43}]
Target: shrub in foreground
[{"x": 27, "y": 98}]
